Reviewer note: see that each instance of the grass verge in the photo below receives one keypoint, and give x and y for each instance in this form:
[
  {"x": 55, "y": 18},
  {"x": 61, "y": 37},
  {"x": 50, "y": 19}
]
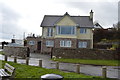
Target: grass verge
[
  {"x": 1, "y": 52},
  {"x": 93, "y": 62},
  {"x": 25, "y": 71}
]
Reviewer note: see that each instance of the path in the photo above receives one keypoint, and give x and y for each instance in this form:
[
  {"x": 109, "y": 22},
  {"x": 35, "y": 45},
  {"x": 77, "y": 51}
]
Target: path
[{"x": 112, "y": 71}]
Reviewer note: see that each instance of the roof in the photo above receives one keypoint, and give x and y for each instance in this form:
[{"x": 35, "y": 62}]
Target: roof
[
  {"x": 97, "y": 25},
  {"x": 82, "y": 21}
]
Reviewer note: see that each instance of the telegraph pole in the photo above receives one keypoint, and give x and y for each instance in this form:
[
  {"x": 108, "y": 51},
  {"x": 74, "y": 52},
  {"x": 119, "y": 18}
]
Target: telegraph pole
[{"x": 24, "y": 36}]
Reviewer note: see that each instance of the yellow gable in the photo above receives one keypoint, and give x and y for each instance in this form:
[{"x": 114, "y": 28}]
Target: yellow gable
[{"x": 66, "y": 21}]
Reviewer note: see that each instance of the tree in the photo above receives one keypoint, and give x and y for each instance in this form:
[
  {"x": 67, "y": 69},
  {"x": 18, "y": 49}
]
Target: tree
[{"x": 4, "y": 43}]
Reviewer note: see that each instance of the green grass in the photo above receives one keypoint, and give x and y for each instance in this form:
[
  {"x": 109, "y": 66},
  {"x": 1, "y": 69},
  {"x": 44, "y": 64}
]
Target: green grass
[
  {"x": 1, "y": 52},
  {"x": 93, "y": 62},
  {"x": 25, "y": 71}
]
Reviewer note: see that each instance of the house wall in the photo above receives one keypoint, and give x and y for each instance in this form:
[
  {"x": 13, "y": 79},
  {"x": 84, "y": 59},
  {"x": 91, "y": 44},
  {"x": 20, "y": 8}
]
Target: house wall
[
  {"x": 86, "y": 40},
  {"x": 66, "y": 21},
  {"x": 33, "y": 48},
  {"x": 73, "y": 41},
  {"x": 44, "y": 48},
  {"x": 44, "y": 33},
  {"x": 87, "y": 36}
]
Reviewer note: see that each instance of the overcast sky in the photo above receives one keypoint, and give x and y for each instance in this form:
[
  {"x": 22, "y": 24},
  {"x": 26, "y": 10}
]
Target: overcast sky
[{"x": 19, "y": 16}]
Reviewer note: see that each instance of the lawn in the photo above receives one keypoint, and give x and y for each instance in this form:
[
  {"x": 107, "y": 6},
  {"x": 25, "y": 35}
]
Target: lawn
[
  {"x": 93, "y": 62},
  {"x": 1, "y": 52},
  {"x": 25, "y": 71}
]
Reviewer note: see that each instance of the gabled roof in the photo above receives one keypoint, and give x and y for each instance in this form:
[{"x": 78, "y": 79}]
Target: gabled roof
[
  {"x": 66, "y": 14},
  {"x": 97, "y": 25},
  {"x": 82, "y": 21}
]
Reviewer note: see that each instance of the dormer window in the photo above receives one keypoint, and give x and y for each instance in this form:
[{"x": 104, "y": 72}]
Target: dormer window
[{"x": 66, "y": 30}]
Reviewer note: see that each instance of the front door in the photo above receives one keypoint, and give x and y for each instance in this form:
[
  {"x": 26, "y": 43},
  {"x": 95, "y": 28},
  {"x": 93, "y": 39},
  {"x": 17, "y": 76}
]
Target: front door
[{"x": 39, "y": 46}]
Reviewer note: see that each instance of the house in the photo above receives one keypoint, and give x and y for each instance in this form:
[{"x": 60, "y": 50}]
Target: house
[
  {"x": 66, "y": 31},
  {"x": 97, "y": 26},
  {"x": 34, "y": 44}
]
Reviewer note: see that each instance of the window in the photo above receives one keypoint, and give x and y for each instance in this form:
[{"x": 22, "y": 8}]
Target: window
[
  {"x": 31, "y": 42},
  {"x": 50, "y": 43},
  {"x": 65, "y": 43},
  {"x": 82, "y": 44},
  {"x": 83, "y": 30},
  {"x": 49, "y": 32},
  {"x": 68, "y": 30}
]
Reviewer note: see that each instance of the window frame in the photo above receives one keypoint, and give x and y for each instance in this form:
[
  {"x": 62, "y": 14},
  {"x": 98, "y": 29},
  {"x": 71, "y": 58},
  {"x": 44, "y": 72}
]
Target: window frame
[
  {"x": 65, "y": 43},
  {"x": 49, "y": 32},
  {"x": 31, "y": 42},
  {"x": 83, "y": 30},
  {"x": 59, "y": 28},
  {"x": 49, "y": 43},
  {"x": 82, "y": 44}
]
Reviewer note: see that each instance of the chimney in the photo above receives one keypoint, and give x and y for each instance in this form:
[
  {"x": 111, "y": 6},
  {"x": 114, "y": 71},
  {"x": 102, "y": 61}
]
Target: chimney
[{"x": 91, "y": 15}]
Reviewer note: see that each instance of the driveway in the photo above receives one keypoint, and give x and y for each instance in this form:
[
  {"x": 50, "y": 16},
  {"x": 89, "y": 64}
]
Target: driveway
[{"x": 112, "y": 71}]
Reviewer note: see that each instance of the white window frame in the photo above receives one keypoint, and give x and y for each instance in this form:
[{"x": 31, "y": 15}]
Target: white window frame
[
  {"x": 31, "y": 42},
  {"x": 65, "y": 43},
  {"x": 82, "y": 44},
  {"x": 58, "y": 29},
  {"x": 49, "y": 43},
  {"x": 83, "y": 30},
  {"x": 49, "y": 32}
]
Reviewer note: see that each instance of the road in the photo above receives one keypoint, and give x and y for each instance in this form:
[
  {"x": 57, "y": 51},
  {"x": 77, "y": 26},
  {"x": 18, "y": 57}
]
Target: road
[{"x": 112, "y": 71}]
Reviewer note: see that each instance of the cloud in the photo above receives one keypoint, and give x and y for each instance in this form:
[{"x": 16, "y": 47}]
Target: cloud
[
  {"x": 106, "y": 13},
  {"x": 119, "y": 11},
  {"x": 9, "y": 19}
]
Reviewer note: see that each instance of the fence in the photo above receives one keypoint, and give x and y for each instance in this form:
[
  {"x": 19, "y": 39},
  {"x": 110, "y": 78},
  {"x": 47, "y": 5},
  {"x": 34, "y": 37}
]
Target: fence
[{"x": 77, "y": 66}]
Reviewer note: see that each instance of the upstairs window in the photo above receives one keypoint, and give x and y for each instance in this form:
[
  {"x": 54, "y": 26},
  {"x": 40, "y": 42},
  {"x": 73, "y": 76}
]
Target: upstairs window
[
  {"x": 83, "y": 30},
  {"x": 49, "y": 43},
  {"x": 65, "y": 43},
  {"x": 49, "y": 32},
  {"x": 82, "y": 44},
  {"x": 66, "y": 30}
]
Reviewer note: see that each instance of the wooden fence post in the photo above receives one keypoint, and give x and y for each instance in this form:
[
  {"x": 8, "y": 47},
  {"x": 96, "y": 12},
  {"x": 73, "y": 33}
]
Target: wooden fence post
[
  {"x": 57, "y": 65},
  {"x": 15, "y": 59},
  {"x": 40, "y": 63},
  {"x": 27, "y": 61},
  {"x": 6, "y": 57},
  {"x": 78, "y": 68},
  {"x": 104, "y": 72}
]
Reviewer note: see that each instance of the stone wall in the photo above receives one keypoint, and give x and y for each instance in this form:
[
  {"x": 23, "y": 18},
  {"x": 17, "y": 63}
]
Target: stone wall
[
  {"x": 15, "y": 51},
  {"x": 85, "y": 53}
]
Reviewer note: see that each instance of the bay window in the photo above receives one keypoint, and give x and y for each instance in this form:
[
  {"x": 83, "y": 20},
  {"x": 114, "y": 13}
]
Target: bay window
[{"x": 66, "y": 30}]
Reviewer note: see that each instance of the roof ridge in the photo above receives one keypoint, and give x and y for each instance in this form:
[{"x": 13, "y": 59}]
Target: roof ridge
[
  {"x": 79, "y": 16},
  {"x": 63, "y": 15},
  {"x": 54, "y": 15}
]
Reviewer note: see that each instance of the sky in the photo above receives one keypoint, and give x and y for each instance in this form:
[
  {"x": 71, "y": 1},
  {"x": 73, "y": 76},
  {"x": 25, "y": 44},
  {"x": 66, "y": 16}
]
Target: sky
[{"x": 19, "y": 17}]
